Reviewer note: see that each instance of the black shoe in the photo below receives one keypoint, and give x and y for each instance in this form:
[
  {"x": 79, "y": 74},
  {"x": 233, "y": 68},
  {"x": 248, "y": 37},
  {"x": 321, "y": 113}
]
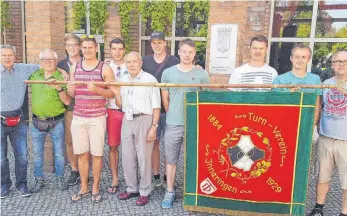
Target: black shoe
[
  {"x": 23, "y": 190},
  {"x": 5, "y": 190},
  {"x": 39, "y": 183},
  {"x": 316, "y": 212},
  {"x": 74, "y": 177}
]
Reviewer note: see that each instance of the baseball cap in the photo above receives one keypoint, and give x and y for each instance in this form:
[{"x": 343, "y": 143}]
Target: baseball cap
[{"x": 157, "y": 35}]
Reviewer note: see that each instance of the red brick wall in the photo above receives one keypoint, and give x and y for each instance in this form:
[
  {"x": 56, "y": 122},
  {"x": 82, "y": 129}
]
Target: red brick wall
[
  {"x": 112, "y": 28},
  {"x": 252, "y": 18},
  {"x": 14, "y": 33},
  {"x": 45, "y": 28},
  {"x": 258, "y": 18},
  {"x": 134, "y": 32}
]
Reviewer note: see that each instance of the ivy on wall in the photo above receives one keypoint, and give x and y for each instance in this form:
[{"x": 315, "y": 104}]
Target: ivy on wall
[
  {"x": 126, "y": 10},
  {"x": 4, "y": 16},
  {"x": 97, "y": 15},
  {"x": 158, "y": 14}
]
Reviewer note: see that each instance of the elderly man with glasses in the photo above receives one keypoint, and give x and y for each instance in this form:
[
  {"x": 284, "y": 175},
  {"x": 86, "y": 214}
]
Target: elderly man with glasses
[
  {"x": 48, "y": 107},
  {"x": 13, "y": 124}
]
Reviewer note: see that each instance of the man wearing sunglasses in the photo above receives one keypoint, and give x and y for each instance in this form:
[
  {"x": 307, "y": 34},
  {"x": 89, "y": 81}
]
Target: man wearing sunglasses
[
  {"x": 115, "y": 113},
  {"x": 48, "y": 107}
]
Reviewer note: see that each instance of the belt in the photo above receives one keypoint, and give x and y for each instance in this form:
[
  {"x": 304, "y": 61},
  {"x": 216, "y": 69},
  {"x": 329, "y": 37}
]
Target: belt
[
  {"x": 49, "y": 118},
  {"x": 138, "y": 115}
]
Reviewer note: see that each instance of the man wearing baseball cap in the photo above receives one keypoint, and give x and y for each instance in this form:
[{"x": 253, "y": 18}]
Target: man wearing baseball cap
[{"x": 155, "y": 64}]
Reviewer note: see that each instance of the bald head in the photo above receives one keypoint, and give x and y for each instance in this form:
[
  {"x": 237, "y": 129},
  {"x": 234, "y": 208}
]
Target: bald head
[{"x": 133, "y": 61}]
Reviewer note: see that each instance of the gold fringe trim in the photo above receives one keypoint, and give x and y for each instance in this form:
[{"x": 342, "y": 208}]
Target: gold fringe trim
[{"x": 228, "y": 212}]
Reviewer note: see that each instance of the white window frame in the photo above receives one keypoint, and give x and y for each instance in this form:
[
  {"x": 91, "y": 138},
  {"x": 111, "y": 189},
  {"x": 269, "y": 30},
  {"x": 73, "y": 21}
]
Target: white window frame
[
  {"x": 171, "y": 39},
  {"x": 311, "y": 40}
]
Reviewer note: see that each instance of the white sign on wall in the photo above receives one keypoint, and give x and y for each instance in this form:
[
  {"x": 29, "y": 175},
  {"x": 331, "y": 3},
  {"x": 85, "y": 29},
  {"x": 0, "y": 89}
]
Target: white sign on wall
[{"x": 223, "y": 48}]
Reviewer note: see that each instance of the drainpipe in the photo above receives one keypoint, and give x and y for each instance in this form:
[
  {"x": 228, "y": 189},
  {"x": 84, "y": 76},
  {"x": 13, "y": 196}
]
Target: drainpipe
[{"x": 23, "y": 31}]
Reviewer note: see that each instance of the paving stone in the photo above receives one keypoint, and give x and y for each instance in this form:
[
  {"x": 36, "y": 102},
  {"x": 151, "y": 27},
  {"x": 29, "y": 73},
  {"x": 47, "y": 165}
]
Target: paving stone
[{"x": 51, "y": 201}]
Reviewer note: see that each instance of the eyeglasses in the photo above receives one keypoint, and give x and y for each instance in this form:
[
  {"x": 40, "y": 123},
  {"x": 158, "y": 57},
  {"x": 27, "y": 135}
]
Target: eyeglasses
[
  {"x": 71, "y": 45},
  {"x": 47, "y": 60},
  {"x": 340, "y": 62}
]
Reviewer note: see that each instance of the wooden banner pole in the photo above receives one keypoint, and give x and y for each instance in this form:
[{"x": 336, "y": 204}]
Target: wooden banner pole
[{"x": 341, "y": 86}]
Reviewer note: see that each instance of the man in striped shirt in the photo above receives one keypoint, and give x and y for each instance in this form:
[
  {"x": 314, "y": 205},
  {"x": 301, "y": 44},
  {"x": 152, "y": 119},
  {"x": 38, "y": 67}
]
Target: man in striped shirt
[
  {"x": 88, "y": 125},
  {"x": 255, "y": 71}
]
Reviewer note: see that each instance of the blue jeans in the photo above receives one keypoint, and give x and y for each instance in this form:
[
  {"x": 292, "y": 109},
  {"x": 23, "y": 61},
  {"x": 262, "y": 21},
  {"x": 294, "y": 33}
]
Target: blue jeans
[
  {"x": 18, "y": 139},
  {"x": 58, "y": 137}
]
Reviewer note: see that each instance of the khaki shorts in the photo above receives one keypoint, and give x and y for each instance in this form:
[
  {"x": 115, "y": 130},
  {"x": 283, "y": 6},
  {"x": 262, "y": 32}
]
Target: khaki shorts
[
  {"x": 331, "y": 152},
  {"x": 88, "y": 135},
  {"x": 68, "y": 120}
]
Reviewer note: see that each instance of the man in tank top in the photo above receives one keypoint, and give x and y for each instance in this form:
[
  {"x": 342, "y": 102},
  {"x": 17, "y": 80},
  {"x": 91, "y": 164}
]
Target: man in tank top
[{"x": 89, "y": 116}]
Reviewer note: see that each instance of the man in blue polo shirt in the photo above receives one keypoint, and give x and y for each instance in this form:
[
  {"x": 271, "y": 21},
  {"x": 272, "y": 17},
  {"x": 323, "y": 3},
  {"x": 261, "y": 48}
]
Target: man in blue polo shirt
[{"x": 301, "y": 55}]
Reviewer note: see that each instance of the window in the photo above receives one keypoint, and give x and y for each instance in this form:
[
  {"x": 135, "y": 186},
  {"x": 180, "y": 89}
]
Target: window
[
  {"x": 196, "y": 31},
  {"x": 320, "y": 24}
]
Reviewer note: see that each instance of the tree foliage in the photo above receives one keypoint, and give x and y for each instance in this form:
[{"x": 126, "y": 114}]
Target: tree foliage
[
  {"x": 159, "y": 12},
  {"x": 4, "y": 16}
]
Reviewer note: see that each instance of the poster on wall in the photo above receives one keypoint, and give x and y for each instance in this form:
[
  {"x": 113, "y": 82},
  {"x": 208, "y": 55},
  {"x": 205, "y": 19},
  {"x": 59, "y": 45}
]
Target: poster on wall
[{"x": 223, "y": 48}]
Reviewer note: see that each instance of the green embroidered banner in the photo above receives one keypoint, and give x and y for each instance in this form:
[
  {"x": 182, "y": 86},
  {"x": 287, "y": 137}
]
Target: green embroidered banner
[{"x": 248, "y": 153}]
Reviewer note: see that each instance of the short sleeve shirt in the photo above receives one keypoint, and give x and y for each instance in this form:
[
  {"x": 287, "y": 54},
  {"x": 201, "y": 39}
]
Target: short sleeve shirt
[
  {"x": 141, "y": 99},
  {"x": 290, "y": 78},
  {"x": 333, "y": 122},
  {"x": 175, "y": 114},
  {"x": 45, "y": 99},
  {"x": 247, "y": 74}
]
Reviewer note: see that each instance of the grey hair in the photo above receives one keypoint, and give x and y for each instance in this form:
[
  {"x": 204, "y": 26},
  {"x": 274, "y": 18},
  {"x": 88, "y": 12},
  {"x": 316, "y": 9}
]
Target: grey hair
[
  {"x": 8, "y": 46},
  {"x": 48, "y": 50},
  {"x": 133, "y": 53},
  {"x": 337, "y": 52}
]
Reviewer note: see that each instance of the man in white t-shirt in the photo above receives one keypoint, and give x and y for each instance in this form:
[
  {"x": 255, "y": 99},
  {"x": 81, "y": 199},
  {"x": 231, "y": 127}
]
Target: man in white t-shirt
[
  {"x": 255, "y": 71},
  {"x": 114, "y": 113}
]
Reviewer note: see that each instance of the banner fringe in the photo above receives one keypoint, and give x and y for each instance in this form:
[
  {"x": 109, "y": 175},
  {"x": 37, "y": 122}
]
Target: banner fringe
[{"x": 229, "y": 212}]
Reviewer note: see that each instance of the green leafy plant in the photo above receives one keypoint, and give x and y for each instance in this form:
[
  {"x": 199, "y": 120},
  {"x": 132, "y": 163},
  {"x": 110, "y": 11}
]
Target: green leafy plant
[
  {"x": 97, "y": 15},
  {"x": 78, "y": 15},
  {"x": 5, "y": 16},
  {"x": 159, "y": 13},
  {"x": 156, "y": 14},
  {"x": 126, "y": 10}
]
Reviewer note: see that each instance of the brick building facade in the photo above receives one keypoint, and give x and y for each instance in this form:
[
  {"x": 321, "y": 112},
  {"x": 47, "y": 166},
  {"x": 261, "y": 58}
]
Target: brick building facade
[{"x": 44, "y": 27}]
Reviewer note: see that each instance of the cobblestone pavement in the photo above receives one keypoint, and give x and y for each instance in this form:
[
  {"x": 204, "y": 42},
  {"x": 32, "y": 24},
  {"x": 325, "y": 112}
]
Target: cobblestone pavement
[{"x": 51, "y": 201}]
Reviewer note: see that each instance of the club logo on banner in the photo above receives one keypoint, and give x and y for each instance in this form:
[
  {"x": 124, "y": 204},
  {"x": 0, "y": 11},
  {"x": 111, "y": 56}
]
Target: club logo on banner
[{"x": 249, "y": 153}]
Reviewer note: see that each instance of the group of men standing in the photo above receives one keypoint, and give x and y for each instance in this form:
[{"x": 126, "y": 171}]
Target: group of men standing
[{"x": 138, "y": 117}]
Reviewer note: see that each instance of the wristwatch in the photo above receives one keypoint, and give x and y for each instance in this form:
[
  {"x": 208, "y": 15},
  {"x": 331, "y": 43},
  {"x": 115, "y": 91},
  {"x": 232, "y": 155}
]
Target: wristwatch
[
  {"x": 60, "y": 90},
  {"x": 155, "y": 125}
]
